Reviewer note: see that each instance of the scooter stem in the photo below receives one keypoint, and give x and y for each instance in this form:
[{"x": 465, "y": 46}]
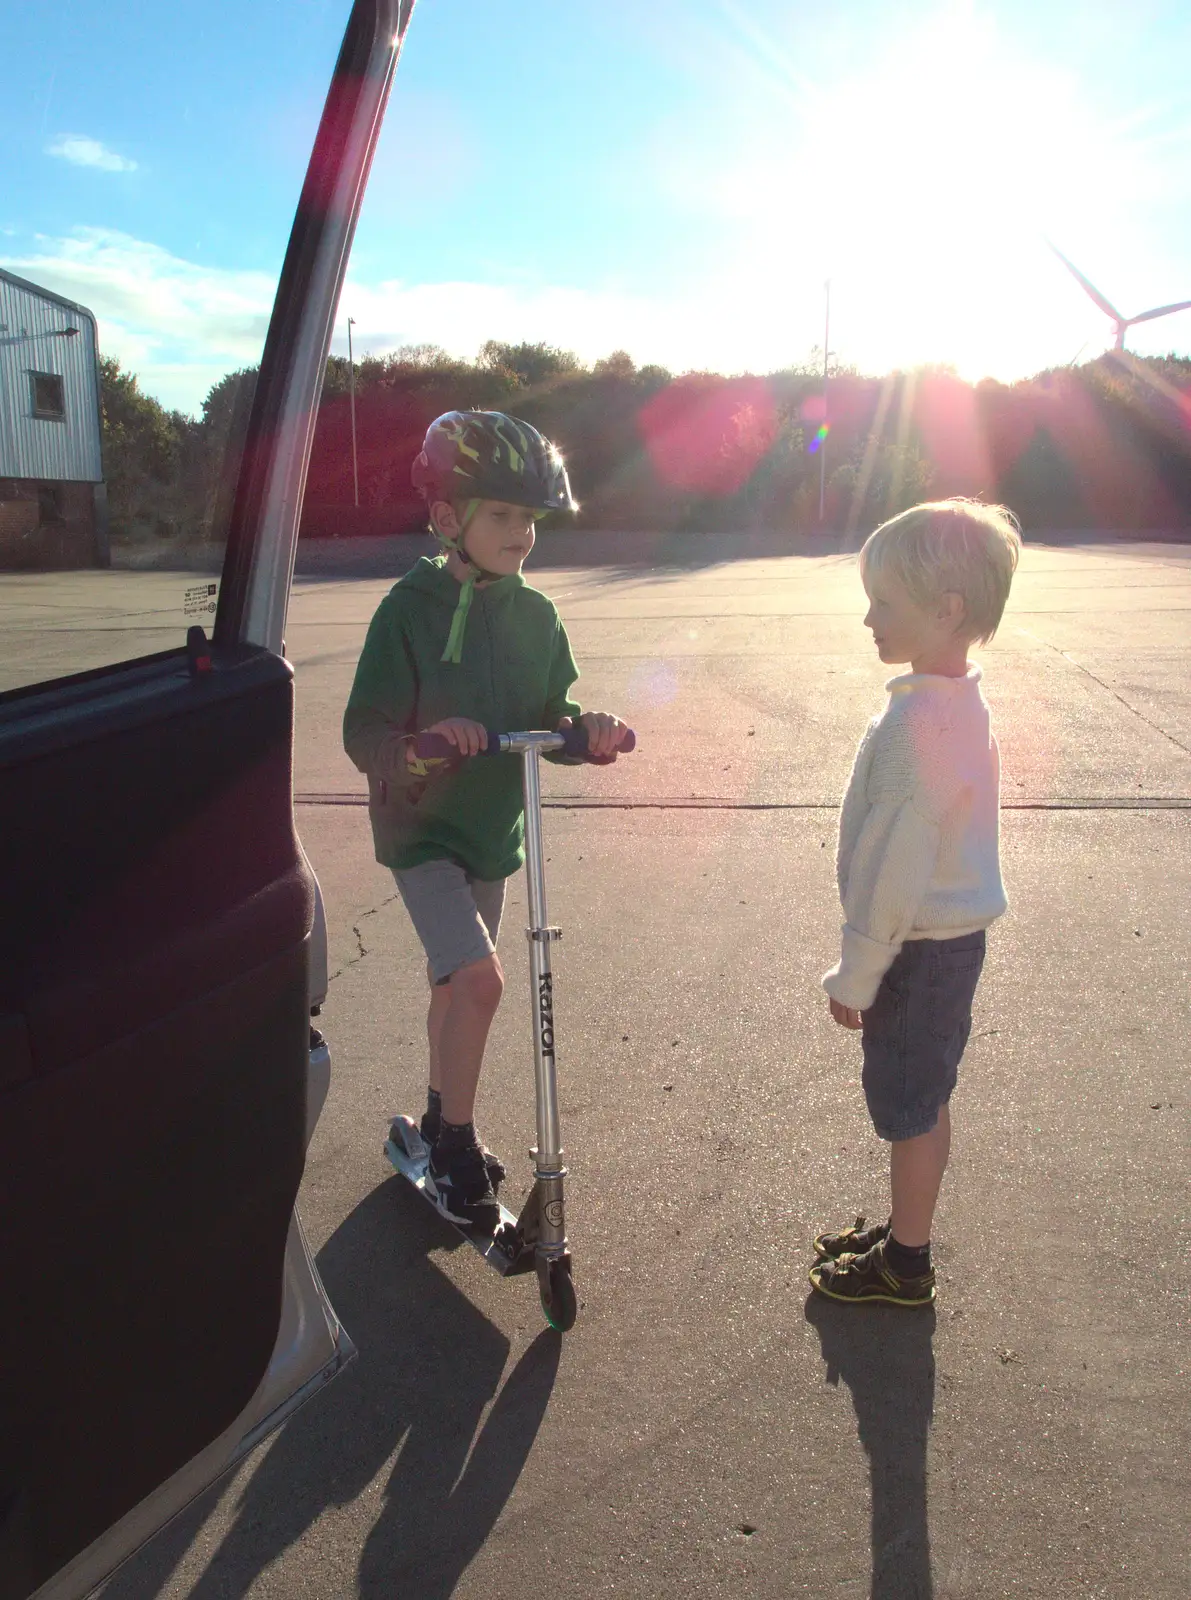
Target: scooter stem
[{"x": 541, "y": 936}]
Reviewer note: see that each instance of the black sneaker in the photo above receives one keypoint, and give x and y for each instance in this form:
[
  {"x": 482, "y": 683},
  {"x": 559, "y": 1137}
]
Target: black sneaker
[
  {"x": 851, "y": 1241},
  {"x": 429, "y": 1129},
  {"x": 458, "y": 1183},
  {"x": 865, "y": 1277}
]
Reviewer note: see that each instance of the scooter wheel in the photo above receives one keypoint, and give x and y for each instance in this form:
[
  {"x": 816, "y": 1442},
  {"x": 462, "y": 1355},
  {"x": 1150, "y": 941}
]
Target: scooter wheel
[{"x": 557, "y": 1290}]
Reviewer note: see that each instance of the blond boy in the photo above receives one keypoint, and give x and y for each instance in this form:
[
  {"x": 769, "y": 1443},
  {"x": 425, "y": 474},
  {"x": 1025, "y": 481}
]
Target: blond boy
[{"x": 919, "y": 871}]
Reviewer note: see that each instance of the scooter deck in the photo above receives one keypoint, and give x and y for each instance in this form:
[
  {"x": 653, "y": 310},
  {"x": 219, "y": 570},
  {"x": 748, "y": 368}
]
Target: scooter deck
[{"x": 505, "y": 1249}]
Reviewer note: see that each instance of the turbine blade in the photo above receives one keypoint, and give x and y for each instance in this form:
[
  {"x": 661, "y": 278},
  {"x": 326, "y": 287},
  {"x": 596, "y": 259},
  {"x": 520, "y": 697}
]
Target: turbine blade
[
  {"x": 1088, "y": 287},
  {"x": 1162, "y": 311}
]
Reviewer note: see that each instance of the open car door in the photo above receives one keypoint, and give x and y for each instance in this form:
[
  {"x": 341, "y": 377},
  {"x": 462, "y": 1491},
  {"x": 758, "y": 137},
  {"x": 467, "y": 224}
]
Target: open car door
[{"x": 160, "y": 955}]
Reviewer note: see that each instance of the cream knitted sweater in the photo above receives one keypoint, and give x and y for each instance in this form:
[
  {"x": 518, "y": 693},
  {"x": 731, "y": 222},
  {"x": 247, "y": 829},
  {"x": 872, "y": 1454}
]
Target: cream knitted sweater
[{"x": 918, "y": 848}]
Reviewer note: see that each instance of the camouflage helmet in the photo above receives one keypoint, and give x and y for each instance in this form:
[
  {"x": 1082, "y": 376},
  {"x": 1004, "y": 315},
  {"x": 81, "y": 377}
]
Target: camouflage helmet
[{"x": 484, "y": 455}]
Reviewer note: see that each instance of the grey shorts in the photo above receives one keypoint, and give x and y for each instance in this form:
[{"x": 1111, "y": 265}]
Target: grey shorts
[
  {"x": 916, "y": 1030},
  {"x": 456, "y": 916}
]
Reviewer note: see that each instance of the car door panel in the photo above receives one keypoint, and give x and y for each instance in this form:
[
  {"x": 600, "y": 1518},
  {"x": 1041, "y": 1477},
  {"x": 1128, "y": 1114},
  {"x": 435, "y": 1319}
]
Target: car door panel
[
  {"x": 159, "y": 953},
  {"x": 310, "y": 1349},
  {"x": 159, "y": 960},
  {"x": 16, "y": 1056},
  {"x": 179, "y": 1211},
  {"x": 156, "y": 882}
]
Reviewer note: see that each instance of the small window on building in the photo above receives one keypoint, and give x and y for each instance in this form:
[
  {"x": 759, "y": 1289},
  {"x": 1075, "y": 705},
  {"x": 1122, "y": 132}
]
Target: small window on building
[{"x": 49, "y": 396}]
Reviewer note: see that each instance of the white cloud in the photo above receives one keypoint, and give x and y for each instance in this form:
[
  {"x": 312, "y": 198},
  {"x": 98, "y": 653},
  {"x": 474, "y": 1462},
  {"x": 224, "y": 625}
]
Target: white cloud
[
  {"x": 84, "y": 152},
  {"x": 179, "y": 325},
  {"x": 710, "y": 325}
]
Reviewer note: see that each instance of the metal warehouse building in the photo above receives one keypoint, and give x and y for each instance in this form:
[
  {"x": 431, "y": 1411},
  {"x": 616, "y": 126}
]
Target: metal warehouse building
[{"x": 53, "y": 507}]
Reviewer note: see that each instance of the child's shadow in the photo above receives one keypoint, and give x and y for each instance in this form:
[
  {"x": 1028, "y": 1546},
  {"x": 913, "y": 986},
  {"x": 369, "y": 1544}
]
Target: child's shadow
[
  {"x": 428, "y": 1366},
  {"x": 884, "y": 1355}
]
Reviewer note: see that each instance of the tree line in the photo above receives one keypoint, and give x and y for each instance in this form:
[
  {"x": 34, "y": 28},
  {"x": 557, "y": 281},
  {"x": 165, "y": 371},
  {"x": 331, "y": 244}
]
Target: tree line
[{"x": 1105, "y": 445}]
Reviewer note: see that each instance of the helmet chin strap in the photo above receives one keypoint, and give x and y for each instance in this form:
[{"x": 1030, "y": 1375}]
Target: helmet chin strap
[
  {"x": 458, "y": 546},
  {"x": 479, "y": 574},
  {"x": 476, "y": 574}
]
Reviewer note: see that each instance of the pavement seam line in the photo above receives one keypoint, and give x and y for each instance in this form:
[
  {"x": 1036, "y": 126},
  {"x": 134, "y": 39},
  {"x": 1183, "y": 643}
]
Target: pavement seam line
[{"x": 713, "y": 803}]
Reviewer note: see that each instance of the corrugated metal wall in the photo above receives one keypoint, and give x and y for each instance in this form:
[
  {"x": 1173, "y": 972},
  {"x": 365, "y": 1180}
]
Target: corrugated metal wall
[{"x": 31, "y": 328}]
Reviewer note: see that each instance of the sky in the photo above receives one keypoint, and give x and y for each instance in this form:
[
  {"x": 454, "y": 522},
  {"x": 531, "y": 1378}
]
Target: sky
[{"x": 678, "y": 180}]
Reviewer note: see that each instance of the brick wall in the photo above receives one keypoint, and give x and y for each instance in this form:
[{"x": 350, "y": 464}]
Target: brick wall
[{"x": 47, "y": 531}]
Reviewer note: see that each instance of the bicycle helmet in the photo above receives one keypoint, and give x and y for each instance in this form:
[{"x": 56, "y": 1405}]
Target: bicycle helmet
[{"x": 485, "y": 455}]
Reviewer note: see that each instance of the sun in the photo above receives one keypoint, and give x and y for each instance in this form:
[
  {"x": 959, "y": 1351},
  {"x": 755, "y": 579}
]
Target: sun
[
  {"x": 923, "y": 185},
  {"x": 941, "y": 168}
]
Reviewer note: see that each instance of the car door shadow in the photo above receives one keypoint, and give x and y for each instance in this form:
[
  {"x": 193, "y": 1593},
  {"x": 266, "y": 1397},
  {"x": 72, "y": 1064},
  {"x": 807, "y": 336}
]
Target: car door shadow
[
  {"x": 885, "y": 1356},
  {"x": 390, "y": 1444}
]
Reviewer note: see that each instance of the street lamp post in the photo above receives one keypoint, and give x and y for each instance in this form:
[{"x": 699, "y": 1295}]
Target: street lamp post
[
  {"x": 823, "y": 445},
  {"x": 351, "y": 384}
]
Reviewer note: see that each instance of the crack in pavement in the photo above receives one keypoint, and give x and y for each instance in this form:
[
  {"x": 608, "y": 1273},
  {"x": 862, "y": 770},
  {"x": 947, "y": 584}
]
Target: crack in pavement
[
  {"x": 361, "y": 947},
  {"x": 1116, "y": 696},
  {"x": 1087, "y": 671}
]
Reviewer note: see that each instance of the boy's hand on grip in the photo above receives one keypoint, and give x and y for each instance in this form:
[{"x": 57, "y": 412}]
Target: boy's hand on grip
[
  {"x": 604, "y": 733},
  {"x": 468, "y": 737},
  {"x": 846, "y": 1016}
]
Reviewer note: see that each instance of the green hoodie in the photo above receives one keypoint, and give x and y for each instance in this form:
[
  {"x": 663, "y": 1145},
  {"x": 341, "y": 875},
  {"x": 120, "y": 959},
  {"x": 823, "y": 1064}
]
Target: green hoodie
[{"x": 515, "y": 673}]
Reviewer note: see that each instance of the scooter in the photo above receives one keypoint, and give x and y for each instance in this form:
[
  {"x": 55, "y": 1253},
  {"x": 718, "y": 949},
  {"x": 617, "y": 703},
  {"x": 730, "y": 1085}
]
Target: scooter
[{"x": 537, "y": 1239}]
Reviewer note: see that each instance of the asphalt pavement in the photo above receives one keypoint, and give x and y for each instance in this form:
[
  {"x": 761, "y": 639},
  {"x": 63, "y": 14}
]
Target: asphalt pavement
[{"x": 710, "y": 1427}]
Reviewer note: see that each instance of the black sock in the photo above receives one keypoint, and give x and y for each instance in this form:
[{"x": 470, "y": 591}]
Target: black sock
[
  {"x": 434, "y": 1105},
  {"x": 907, "y": 1261},
  {"x": 456, "y": 1135}
]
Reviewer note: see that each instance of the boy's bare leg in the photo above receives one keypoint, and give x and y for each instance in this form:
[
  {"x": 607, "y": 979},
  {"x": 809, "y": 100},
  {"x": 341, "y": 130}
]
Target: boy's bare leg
[
  {"x": 440, "y": 1000},
  {"x": 916, "y": 1168},
  {"x": 473, "y": 995}
]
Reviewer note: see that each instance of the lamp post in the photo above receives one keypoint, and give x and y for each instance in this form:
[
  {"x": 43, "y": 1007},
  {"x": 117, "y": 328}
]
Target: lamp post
[
  {"x": 351, "y": 384},
  {"x": 823, "y": 445}
]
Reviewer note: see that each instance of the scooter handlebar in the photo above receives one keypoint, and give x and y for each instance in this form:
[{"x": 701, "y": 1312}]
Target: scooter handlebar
[
  {"x": 573, "y": 742},
  {"x": 436, "y": 746}
]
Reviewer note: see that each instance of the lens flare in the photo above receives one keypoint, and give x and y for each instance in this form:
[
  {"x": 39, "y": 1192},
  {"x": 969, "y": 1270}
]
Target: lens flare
[
  {"x": 708, "y": 434},
  {"x": 653, "y": 683},
  {"x": 821, "y": 433}
]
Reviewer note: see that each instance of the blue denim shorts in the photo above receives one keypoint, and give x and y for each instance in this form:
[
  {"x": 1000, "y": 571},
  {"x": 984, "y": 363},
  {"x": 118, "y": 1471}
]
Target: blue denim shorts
[{"x": 916, "y": 1030}]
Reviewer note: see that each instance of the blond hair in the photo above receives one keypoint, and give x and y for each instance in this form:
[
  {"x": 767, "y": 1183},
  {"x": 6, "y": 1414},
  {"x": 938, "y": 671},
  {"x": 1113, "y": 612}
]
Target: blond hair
[{"x": 954, "y": 546}]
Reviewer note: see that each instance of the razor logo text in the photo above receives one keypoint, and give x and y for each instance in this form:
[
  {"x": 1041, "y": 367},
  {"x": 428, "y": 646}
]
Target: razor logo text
[{"x": 546, "y": 1012}]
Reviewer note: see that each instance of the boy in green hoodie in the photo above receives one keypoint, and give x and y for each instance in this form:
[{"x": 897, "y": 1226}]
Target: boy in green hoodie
[{"x": 462, "y": 644}]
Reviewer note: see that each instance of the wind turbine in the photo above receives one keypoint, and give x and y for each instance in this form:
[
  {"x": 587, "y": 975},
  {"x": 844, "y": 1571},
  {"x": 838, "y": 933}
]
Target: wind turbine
[{"x": 1122, "y": 323}]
